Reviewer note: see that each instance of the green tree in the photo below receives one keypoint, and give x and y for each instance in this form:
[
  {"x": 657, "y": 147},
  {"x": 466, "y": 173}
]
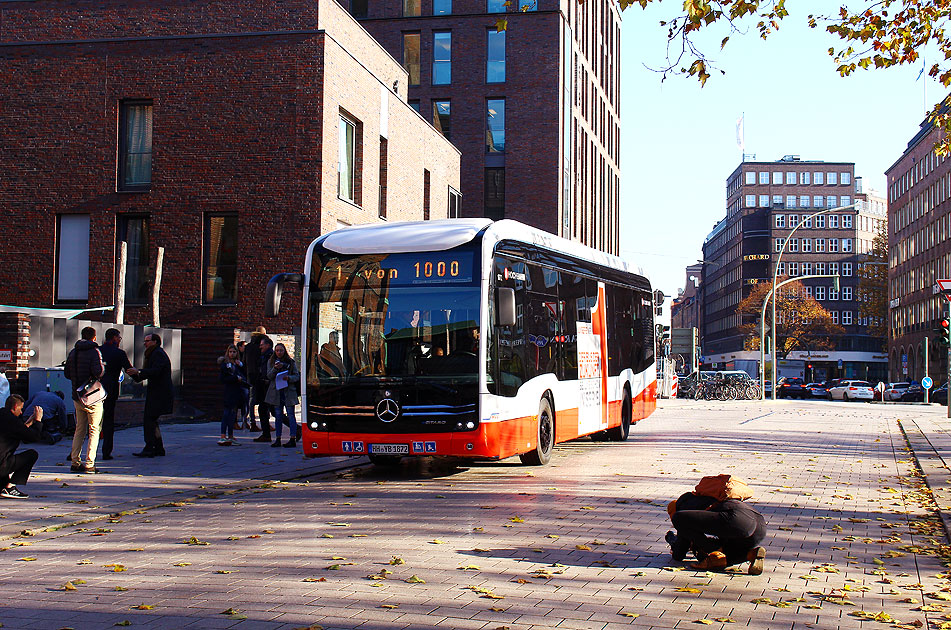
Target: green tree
[
  {"x": 801, "y": 322},
  {"x": 873, "y": 286}
]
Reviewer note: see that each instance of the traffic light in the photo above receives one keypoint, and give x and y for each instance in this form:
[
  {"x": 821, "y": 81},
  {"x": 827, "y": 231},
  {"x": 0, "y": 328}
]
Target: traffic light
[{"x": 943, "y": 332}]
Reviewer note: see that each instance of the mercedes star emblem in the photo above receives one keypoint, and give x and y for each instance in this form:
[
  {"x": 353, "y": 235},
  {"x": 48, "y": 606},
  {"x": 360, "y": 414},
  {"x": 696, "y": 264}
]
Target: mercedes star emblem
[{"x": 387, "y": 410}]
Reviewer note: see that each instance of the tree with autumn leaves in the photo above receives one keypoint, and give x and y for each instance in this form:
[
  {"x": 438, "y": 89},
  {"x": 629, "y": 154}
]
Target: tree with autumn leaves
[
  {"x": 801, "y": 322},
  {"x": 873, "y": 285}
]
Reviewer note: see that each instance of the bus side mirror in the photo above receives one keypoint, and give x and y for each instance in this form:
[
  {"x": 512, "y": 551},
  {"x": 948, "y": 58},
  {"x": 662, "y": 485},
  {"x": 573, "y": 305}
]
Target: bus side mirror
[
  {"x": 275, "y": 287},
  {"x": 505, "y": 306}
]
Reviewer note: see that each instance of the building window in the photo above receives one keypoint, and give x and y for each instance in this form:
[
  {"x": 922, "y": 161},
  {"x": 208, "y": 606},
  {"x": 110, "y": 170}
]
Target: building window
[
  {"x": 764, "y": 201},
  {"x": 846, "y": 245},
  {"x": 346, "y": 161},
  {"x": 495, "y": 193},
  {"x": 807, "y": 223},
  {"x": 495, "y": 6},
  {"x": 442, "y": 7},
  {"x": 495, "y": 125},
  {"x": 833, "y": 294},
  {"x": 845, "y": 201},
  {"x": 831, "y": 201},
  {"x": 846, "y": 318},
  {"x": 833, "y": 245},
  {"x": 831, "y": 178},
  {"x": 411, "y": 8},
  {"x": 847, "y": 293},
  {"x": 778, "y": 200},
  {"x": 820, "y": 268},
  {"x": 820, "y": 222},
  {"x": 817, "y": 201},
  {"x": 442, "y": 58},
  {"x": 793, "y": 220},
  {"x": 794, "y": 245},
  {"x": 846, "y": 178},
  {"x": 806, "y": 268},
  {"x": 777, "y": 178},
  {"x": 820, "y": 293},
  {"x": 820, "y": 245},
  {"x": 793, "y": 269},
  {"x": 441, "y": 111},
  {"x": 833, "y": 314},
  {"x": 384, "y": 167},
  {"x": 834, "y": 268},
  {"x": 808, "y": 290},
  {"x": 411, "y": 59},
  {"x": 781, "y": 269},
  {"x": 763, "y": 177},
  {"x": 455, "y": 203},
  {"x": 425, "y": 195},
  {"x": 847, "y": 220},
  {"x": 135, "y": 232},
  {"x": 803, "y": 178},
  {"x": 790, "y": 201},
  {"x": 777, "y": 244},
  {"x": 135, "y": 145},
  {"x": 750, "y": 178},
  {"x": 790, "y": 178},
  {"x": 414, "y": 104},
  {"x": 359, "y": 8},
  {"x": 72, "y": 258},
  {"x": 817, "y": 178},
  {"x": 807, "y": 245},
  {"x": 833, "y": 221},
  {"x": 780, "y": 220},
  {"x": 495, "y": 56},
  {"x": 804, "y": 201},
  {"x": 221, "y": 258},
  {"x": 750, "y": 201},
  {"x": 847, "y": 269}
]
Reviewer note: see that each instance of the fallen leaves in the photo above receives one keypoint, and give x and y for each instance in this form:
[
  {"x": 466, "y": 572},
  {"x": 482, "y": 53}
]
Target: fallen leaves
[{"x": 191, "y": 540}]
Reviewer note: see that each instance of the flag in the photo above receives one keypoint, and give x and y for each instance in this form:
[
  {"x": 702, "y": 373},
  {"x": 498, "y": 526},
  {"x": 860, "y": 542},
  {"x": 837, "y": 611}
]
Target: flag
[{"x": 739, "y": 133}]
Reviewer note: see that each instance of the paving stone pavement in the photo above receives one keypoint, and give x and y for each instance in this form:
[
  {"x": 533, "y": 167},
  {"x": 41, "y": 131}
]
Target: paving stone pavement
[{"x": 578, "y": 544}]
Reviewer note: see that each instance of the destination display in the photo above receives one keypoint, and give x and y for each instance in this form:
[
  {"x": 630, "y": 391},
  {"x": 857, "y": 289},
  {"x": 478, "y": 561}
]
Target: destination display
[{"x": 426, "y": 268}]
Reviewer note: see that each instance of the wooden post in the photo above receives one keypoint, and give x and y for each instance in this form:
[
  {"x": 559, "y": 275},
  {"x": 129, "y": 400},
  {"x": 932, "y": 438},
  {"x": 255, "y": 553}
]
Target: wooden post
[
  {"x": 157, "y": 288},
  {"x": 120, "y": 287}
]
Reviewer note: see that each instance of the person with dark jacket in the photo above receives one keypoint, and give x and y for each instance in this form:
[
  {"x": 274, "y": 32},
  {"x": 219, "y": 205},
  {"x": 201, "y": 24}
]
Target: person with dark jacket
[
  {"x": 84, "y": 365},
  {"x": 235, "y": 380},
  {"x": 720, "y": 533},
  {"x": 252, "y": 355},
  {"x": 282, "y": 393},
  {"x": 15, "y": 467},
  {"x": 261, "y": 386},
  {"x": 158, "y": 394},
  {"x": 116, "y": 360}
]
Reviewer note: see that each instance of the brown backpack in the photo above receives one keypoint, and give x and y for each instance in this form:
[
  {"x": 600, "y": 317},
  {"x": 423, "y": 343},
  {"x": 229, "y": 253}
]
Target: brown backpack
[{"x": 723, "y": 487}]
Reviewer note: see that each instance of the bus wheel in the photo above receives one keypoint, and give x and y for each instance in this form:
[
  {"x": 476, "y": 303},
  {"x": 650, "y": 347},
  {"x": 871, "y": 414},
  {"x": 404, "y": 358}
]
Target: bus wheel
[
  {"x": 619, "y": 434},
  {"x": 546, "y": 437},
  {"x": 385, "y": 461}
]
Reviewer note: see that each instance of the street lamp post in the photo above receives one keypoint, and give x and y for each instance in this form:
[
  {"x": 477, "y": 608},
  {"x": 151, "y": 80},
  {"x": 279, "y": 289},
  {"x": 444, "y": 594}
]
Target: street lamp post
[
  {"x": 762, "y": 330},
  {"x": 775, "y": 273}
]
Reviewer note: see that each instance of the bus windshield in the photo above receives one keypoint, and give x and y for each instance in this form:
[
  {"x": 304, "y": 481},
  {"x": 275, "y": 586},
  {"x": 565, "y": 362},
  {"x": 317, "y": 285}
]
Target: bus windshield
[{"x": 382, "y": 316}]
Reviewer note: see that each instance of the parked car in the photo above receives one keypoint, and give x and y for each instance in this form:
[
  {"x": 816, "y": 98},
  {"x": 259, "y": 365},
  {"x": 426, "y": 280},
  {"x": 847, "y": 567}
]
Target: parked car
[
  {"x": 914, "y": 393},
  {"x": 893, "y": 391},
  {"x": 818, "y": 390},
  {"x": 852, "y": 390},
  {"x": 791, "y": 387},
  {"x": 768, "y": 388},
  {"x": 940, "y": 395}
]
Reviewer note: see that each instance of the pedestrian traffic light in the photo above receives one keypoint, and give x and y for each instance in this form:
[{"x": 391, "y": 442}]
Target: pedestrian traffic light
[{"x": 943, "y": 332}]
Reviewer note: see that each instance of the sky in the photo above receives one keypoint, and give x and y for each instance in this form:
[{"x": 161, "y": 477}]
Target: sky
[{"x": 678, "y": 140}]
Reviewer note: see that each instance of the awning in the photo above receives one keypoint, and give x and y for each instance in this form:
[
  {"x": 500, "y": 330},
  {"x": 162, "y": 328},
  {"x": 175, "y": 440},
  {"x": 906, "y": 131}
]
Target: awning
[{"x": 63, "y": 313}]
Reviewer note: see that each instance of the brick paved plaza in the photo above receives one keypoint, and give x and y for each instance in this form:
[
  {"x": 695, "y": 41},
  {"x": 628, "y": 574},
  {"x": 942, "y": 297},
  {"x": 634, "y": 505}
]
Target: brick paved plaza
[{"x": 578, "y": 544}]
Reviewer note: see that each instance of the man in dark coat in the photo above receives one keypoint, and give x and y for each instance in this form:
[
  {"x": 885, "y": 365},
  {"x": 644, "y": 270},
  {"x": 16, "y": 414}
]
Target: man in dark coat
[
  {"x": 116, "y": 360},
  {"x": 158, "y": 395},
  {"x": 252, "y": 352},
  {"x": 84, "y": 365},
  {"x": 260, "y": 386},
  {"x": 15, "y": 467}
]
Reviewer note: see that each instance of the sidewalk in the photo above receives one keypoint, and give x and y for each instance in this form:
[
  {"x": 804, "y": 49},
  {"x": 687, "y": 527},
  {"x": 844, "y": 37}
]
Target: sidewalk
[
  {"x": 930, "y": 441},
  {"x": 195, "y": 466}
]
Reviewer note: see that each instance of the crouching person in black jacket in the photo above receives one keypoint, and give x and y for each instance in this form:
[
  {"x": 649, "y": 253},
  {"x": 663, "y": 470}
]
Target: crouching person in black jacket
[
  {"x": 15, "y": 468},
  {"x": 720, "y": 533}
]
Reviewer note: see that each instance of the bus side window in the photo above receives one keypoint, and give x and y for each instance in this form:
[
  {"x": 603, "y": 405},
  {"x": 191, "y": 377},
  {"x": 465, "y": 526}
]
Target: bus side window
[
  {"x": 643, "y": 331},
  {"x": 621, "y": 330},
  {"x": 572, "y": 296},
  {"x": 511, "y": 340}
]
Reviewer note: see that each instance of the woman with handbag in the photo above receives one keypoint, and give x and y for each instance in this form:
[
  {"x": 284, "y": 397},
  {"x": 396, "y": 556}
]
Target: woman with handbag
[
  {"x": 283, "y": 376},
  {"x": 235, "y": 378}
]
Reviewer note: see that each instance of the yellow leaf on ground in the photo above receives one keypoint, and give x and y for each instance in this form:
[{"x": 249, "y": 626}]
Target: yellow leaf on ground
[
  {"x": 142, "y": 607},
  {"x": 582, "y": 547},
  {"x": 724, "y": 619},
  {"x": 390, "y": 606},
  {"x": 688, "y": 589},
  {"x": 69, "y": 586},
  {"x": 394, "y": 560},
  {"x": 629, "y": 614}
]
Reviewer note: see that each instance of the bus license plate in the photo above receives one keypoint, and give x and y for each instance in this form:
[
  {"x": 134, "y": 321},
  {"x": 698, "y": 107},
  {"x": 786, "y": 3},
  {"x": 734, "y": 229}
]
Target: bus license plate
[{"x": 389, "y": 449}]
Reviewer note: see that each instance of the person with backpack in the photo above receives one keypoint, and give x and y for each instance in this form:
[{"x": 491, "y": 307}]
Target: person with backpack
[
  {"x": 84, "y": 368},
  {"x": 718, "y": 526}
]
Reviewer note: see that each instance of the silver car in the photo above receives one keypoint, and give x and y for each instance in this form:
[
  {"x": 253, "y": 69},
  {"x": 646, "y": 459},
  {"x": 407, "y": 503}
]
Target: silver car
[{"x": 852, "y": 390}]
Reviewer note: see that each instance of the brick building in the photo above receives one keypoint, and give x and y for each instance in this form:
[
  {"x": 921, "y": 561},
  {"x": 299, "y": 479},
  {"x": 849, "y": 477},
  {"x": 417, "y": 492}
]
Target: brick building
[
  {"x": 919, "y": 254},
  {"x": 535, "y": 108},
  {"x": 229, "y": 133},
  {"x": 765, "y": 201}
]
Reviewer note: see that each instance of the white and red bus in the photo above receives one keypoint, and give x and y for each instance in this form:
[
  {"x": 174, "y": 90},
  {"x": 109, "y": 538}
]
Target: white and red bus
[{"x": 468, "y": 338}]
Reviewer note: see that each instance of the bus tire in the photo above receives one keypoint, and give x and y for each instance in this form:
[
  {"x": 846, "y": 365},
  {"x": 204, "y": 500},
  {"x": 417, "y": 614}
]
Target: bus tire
[
  {"x": 619, "y": 434},
  {"x": 545, "y": 438}
]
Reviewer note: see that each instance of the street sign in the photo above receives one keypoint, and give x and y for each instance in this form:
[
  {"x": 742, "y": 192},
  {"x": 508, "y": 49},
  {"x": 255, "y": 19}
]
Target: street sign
[
  {"x": 926, "y": 382},
  {"x": 945, "y": 287}
]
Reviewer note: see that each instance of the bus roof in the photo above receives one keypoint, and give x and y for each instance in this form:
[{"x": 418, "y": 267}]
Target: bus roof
[{"x": 443, "y": 234}]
